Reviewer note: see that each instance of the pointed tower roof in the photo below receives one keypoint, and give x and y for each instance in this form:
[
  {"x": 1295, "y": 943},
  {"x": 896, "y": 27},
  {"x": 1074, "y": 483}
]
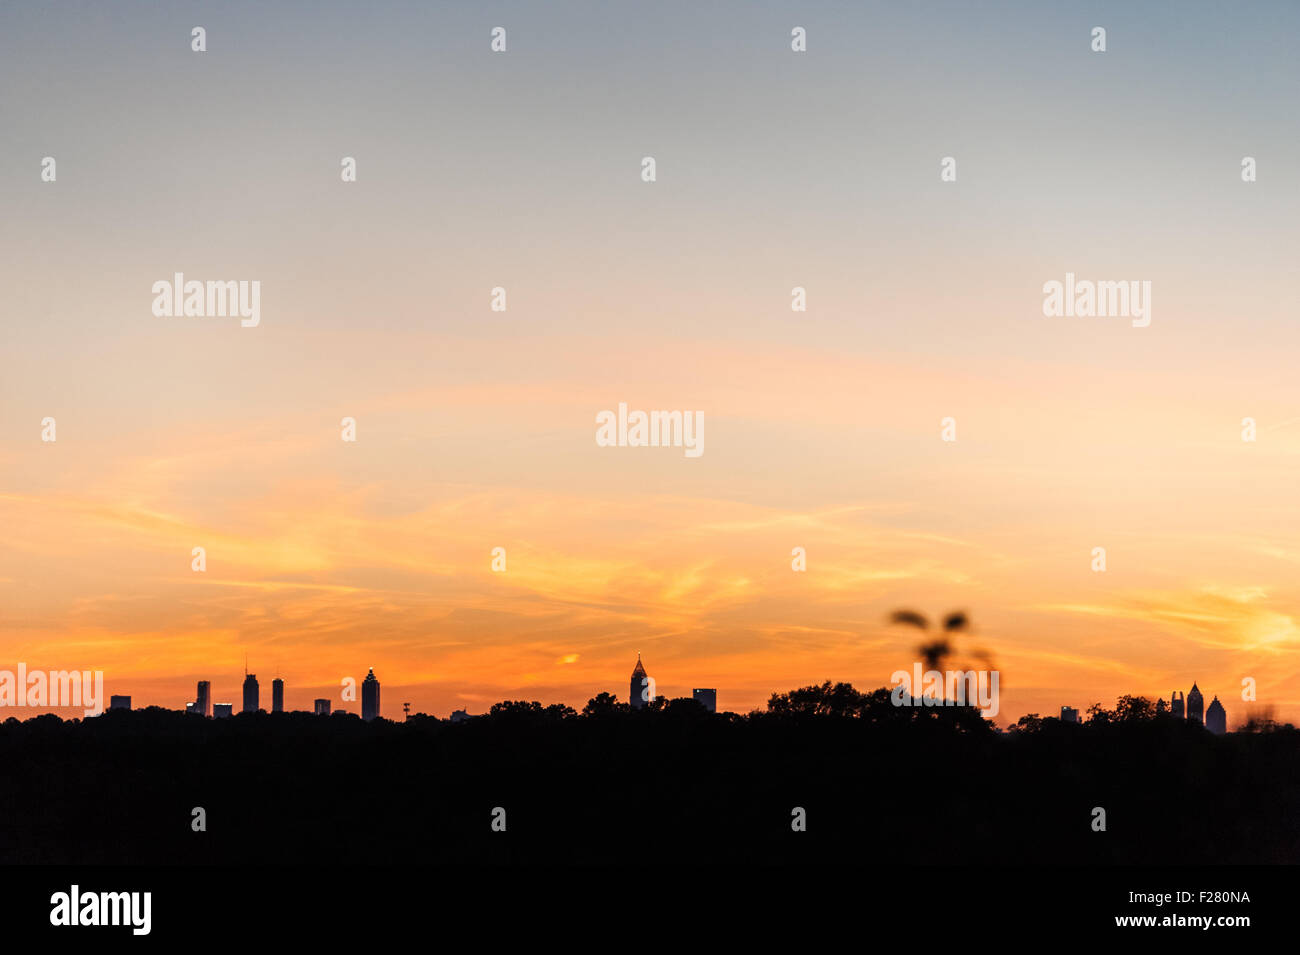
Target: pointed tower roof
[
  {"x": 640, "y": 669},
  {"x": 1194, "y": 686}
]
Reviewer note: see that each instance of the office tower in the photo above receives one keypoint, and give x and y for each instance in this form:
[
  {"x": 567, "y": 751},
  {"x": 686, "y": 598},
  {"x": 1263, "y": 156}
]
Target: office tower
[
  {"x": 223, "y": 710},
  {"x": 193, "y": 708},
  {"x": 706, "y": 698},
  {"x": 1216, "y": 718},
  {"x": 640, "y": 691},
  {"x": 1176, "y": 705},
  {"x": 1195, "y": 705},
  {"x": 1069, "y": 714},
  {"x": 203, "y": 699},
  {"x": 369, "y": 696},
  {"x": 322, "y": 707},
  {"x": 119, "y": 702},
  {"x": 250, "y": 693},
  {"x": 277, "y": 695}
]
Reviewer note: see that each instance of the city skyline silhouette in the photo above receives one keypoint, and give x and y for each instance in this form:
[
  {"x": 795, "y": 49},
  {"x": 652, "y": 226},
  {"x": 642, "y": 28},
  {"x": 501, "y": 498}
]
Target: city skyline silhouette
[{"x": 641, "y": 694}]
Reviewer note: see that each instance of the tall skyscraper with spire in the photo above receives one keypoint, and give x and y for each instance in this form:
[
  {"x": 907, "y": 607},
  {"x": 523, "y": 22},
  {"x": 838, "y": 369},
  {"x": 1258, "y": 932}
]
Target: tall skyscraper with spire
[
  {"x": 250, "y": 692},
  {"x": 277, "y": 695},
  {"x": 1195, "y": 705},
  {"x": 639, "y": 692},
  {"x": 369, "y": 696},
  {"x": 1216, "y": 718}
]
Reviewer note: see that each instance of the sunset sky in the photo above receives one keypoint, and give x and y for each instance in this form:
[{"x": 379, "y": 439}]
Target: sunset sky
[{"x": 822, "y": 429}]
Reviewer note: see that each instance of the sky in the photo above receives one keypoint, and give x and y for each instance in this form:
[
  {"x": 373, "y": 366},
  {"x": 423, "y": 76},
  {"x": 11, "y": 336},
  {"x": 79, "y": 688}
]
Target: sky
[{"x": 476, "y": 428}]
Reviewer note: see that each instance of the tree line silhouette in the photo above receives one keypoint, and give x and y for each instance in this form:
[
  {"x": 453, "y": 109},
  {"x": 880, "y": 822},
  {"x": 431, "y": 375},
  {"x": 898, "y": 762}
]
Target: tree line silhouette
[{"x": 669, "y": 783}]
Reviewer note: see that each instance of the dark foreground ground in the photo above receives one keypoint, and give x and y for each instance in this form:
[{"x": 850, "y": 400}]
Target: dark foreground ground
[{"x": 673, "y": 786}]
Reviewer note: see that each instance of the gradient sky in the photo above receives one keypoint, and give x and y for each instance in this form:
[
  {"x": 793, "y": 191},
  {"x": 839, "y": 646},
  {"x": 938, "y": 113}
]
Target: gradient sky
[{"x": 476, "y": 428}]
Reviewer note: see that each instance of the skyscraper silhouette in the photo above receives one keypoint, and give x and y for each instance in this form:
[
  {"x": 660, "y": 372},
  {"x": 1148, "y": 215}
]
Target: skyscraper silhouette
[
  {"x": 1216, "y": 718},
  {"x": 638, "y": 693},
  {"x": 369, "y": 696},
  {"x": 277, "y": 695},
  {"x": 707, "y": 698},
  {"x": 1195, "y": 705},
  {"x": 323, "y": 707},
  {"x": 203, "y": 699},
  {"x": 1176, "y": 705},
  {"x": 250, "y": 693}
]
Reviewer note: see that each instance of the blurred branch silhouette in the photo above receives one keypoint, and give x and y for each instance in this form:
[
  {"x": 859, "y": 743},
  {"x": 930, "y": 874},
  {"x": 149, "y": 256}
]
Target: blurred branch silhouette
[{"x": 934, "y": 652}]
